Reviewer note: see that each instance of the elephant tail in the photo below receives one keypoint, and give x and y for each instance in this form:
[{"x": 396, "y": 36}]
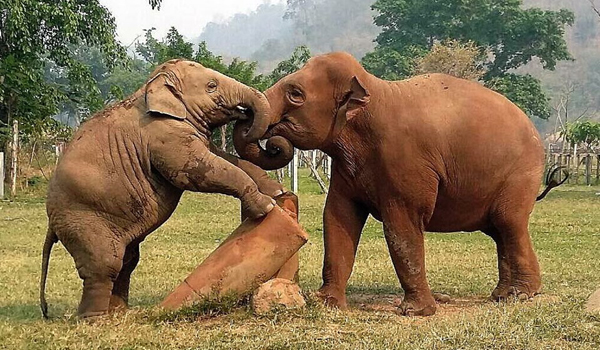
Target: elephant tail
[
  {"x": 552, "y": 181},
  {"x": 51, "y": 238}
]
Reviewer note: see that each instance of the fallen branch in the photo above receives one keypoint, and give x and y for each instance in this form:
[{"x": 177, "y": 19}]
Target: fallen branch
[{"x": 314, "y": 172}]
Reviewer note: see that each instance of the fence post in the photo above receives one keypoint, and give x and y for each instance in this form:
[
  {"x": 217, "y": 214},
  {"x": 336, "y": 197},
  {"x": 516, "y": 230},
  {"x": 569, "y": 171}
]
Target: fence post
[
  {"x": 598, "y": 169},
  {"x": 1, "y": 175},
  {"x": 294, "y": 173},
  {"x": 588, "y": 169},
  {"x": 329, "y": 163}
]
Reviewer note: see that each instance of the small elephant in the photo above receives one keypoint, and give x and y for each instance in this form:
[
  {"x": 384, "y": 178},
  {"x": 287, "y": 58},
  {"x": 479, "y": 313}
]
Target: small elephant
[
  {"x": 125, "y": 170},
  {"x": 431, "y": 153}
]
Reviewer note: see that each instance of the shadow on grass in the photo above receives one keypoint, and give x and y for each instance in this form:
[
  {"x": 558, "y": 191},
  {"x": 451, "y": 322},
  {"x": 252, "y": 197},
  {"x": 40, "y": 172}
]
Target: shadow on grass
[{"x": 30, "y": 312}]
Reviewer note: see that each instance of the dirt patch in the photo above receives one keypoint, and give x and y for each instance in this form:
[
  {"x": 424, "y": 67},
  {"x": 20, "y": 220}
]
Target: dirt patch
[{"x": 390, "y": 302}]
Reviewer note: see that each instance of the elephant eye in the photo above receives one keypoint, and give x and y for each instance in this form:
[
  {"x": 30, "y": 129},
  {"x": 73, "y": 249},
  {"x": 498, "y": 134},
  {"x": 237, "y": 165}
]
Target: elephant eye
[
  {"x": 296, "y": 96},
  {"x": 211, "y": 86}
]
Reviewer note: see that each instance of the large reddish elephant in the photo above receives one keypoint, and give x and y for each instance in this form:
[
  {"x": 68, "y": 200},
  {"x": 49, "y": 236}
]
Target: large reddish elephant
[{"x": 431, "y": 153}]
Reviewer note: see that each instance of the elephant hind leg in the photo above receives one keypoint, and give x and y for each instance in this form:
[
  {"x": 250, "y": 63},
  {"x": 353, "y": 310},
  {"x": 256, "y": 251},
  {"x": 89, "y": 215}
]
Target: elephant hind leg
[
  {"x": 120, "y": 292},
  {"x": 98, "y": 257},
  {"x": 503, "y": 286},
  {"x": 510, "y": 220}
]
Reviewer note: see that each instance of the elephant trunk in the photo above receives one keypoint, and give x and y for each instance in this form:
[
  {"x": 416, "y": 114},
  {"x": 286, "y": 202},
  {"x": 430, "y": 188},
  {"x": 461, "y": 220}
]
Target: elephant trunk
[
  {"x": 258, "y": 103},
  {"x": 278, "y": 153}
]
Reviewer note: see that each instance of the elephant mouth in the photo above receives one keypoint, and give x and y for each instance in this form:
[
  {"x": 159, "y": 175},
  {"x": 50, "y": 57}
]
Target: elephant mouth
[
  {"x": 243, "y": 112},
  {"x": 238, "y": 112}
]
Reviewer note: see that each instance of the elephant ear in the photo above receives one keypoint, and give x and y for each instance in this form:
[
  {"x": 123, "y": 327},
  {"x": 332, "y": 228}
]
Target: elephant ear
[
  {"x": 356, "y": 98},
  {"x": 164, "y": 96}
]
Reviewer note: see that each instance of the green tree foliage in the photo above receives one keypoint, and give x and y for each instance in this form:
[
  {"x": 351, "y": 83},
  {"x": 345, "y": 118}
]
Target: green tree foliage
[
  {"x": 173, "y": 46},
  {"x": 299, "y": 57},
  {"x": 525, "y": 91},
  {"x": 37, "y": 40},
  {"x": 584, "y": 133},
  {"x": 512, "y": 35}
]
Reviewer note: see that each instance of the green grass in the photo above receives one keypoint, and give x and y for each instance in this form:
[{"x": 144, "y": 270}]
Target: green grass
[{"x": 565, "y": 229}]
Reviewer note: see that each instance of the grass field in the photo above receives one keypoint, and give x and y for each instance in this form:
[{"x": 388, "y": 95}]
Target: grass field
[{"x": 565, "y": 229}]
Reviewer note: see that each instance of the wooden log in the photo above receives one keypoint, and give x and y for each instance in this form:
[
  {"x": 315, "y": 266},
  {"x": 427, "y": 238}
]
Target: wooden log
[
  {"x": 253, "y": 254},
  {"x": 290, "y": 270}
]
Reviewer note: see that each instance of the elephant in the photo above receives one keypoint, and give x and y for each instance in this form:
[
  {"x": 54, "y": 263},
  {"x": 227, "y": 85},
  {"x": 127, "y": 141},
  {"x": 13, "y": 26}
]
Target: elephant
[
  {"x": 431, "y": 153},
  {"x": 124, "y": 172}
]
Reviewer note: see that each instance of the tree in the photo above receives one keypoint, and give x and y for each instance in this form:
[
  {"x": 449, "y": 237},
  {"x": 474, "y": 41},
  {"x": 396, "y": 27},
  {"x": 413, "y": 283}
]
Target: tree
[
  {"x": 155, "y": 4},
  {"x": 462, "y": 60},
  {"x": 299, "y": 57},
  {"x": 173, "y": 46},
  {"x": 512, "y": 36},
  {"x": 35, "y": 35},
  {"x": 583, "y": 133}
]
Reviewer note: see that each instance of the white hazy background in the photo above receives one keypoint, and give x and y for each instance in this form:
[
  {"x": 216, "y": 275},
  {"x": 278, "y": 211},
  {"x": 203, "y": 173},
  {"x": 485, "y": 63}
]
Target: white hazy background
[{"x": 188, "y": 16}]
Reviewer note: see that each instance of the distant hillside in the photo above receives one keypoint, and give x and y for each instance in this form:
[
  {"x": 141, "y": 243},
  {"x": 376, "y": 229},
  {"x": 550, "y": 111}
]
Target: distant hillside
[
  {"x": 270, "y": 34},
  {"x": 242, "y": 34},
  {"x": 267, "y": 37}
]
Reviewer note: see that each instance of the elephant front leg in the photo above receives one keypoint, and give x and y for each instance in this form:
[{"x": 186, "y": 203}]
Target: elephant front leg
[
  {"x": 120, "y": 292},
  {"x": 405, "y": 240},
  {"x": 189, "y": 165},
  {"x": 265, "y": 184},
  {"x": 343, "y": 222}
]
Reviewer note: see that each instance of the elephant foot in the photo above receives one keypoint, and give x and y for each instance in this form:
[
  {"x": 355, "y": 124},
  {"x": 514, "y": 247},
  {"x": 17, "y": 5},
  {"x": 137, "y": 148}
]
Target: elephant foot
[
  {"x": 117, "y": 303},
  {"x": 442, "y": 298},
  {"x": 92, "y": 316},
  {"x": 500, "y": 293},
  {"x": 518, "y": 293},
  {"x": 417, "y": 306},
  {"x": 332, "y": 300}
]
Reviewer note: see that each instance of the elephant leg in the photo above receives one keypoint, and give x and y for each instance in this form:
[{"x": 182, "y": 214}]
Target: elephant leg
[
  {"x": 343, "y": 222},
  {"x": 525, "y": 277},
  {"x": 405, "y": 240},
  {"x": 502, "y": 288},
  {"x": 99, "y": 258},
  {"x": 511, "y": 218},
  {"x": 120, "y": 292}
]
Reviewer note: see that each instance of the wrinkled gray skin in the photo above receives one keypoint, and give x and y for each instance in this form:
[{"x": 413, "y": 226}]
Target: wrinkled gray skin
[{"x": 125, "y": 170}]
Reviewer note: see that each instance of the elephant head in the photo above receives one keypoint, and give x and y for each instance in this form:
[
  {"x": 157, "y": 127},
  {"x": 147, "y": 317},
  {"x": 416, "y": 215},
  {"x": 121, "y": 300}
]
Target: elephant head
[
  {"x": 309, "y": 110},
  {"x": 206, "y": 98}
]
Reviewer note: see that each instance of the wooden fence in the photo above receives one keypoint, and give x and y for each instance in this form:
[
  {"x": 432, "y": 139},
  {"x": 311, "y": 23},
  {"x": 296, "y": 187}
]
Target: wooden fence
[{"x": 583, "y": 167}]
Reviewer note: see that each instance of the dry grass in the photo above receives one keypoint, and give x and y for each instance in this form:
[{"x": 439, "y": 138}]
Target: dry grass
[{"x": 565, "y": 229}]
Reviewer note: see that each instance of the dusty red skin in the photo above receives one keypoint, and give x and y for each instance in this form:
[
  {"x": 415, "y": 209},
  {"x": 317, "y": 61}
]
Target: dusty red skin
[
  {"x": 432, "y": 153},
  {"x": 252, "y": 255}
]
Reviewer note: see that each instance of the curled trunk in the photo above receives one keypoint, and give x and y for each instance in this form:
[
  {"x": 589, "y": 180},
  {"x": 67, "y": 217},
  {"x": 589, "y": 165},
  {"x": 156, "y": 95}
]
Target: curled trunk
[
  {"x": 261, "y": 118},
  {"x": 278, "y": 153}
]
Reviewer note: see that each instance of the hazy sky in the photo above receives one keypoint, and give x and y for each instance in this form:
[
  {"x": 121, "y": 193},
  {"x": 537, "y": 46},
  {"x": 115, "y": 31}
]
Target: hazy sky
[{"x": 188, "y": 16}]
